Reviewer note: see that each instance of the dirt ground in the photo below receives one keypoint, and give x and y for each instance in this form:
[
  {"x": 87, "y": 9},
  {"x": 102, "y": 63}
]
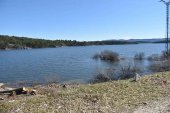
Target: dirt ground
[{"x": 159, "y": 106}]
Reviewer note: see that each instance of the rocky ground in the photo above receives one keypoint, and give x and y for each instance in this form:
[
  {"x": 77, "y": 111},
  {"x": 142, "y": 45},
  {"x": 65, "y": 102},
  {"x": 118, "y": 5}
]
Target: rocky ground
[{"x": 159, "y": 106}]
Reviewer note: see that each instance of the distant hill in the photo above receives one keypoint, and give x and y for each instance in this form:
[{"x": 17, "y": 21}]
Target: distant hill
[
  {"x": 146, "y": 40},
  {"x": 152, "y": 40}
]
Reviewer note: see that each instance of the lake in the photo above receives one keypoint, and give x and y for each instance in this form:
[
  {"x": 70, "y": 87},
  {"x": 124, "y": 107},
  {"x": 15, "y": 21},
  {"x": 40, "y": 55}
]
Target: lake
[{"x": 66, "y": 63}]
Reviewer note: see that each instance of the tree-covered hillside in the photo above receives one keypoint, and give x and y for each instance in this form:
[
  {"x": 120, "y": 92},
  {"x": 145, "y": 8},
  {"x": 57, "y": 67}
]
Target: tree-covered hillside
[{"x": 14, "y": 42}]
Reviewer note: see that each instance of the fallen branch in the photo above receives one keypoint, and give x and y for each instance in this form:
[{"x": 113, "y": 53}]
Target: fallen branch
[{"x": 18, "y": 91}]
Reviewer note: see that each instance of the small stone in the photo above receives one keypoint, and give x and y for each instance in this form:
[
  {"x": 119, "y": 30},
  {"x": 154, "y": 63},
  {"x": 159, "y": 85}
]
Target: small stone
[
  {"x": 33, "y": 92},
  {"x": 136, "y": 77},
  {"x": 2, "y": 84},
  {"x": 168, "y": 110},
  {"x": 144, "y": 103},
  {"x": 12, "y": 101},
  {"x": 8, "y": 88},
  {"x": 64, "y": 86},
  {"x": 59, "y": 107}
]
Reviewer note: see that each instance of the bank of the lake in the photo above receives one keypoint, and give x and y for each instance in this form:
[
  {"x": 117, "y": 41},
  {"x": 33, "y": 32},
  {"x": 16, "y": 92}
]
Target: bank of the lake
[{"x": 123, "y": 96}]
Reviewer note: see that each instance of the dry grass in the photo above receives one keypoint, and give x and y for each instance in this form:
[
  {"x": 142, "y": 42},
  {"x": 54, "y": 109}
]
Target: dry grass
[{"x": 109, "y": 97}]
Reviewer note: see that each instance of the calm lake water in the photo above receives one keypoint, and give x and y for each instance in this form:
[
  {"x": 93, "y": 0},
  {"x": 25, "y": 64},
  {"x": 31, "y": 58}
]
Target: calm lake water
[{"x": 67, "y": 63}]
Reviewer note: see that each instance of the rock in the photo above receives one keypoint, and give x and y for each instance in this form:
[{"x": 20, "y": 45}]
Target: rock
[
  {"x": 11, "y": 101},
  {"x": 8, "y": 88},
  {"x": 1, "y": 98},
  {"x": 64, "y": 86},
  {"x": 136, "y": 77},
  {"x": 2, "y": 84},
  {"x": 1, "y": 89},
  {"x": 144, "y": 103},
  {"x": 33, "y": 92}
]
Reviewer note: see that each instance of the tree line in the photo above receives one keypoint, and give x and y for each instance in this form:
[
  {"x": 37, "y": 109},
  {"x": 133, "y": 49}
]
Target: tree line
[{"x": 14, "y": 42}]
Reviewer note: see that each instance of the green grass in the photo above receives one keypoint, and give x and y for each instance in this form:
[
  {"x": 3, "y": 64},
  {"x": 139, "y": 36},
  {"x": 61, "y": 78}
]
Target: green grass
[{"x": 115, "y": 96}]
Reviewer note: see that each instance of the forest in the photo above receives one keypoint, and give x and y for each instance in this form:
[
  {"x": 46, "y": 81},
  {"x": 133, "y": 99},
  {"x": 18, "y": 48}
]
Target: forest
[{"x": 15, "y": 42}]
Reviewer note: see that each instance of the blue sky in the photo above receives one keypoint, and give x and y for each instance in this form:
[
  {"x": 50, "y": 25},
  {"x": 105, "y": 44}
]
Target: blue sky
[{"x": 83, "y": 19}]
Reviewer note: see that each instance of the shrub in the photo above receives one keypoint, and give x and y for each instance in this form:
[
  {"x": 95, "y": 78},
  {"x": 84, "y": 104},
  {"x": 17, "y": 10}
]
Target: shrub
[
  {"x": 160, "y": 66},
  {"x": 139, "y": 56},
  {"x": 51, "y": 79},
  {"x": 154, "y": 57},
  {"x": 96, "y": 56},
  {"x": 127, "y": 72},
  {"x": 162, "y": 57},
  {"x": 103, "y": 76},
  {"x": 100, "y": 78},
  {"x": 107, "y": 55},
  {"x": 165, "y": 55}
]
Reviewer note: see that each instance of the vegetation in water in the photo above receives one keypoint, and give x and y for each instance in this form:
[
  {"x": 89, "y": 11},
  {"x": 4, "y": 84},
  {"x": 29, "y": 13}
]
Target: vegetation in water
[
  {"x": 125, "y": 72},
  {"x": 139, "y": 56},
  {"x": 107, "y": 55},
  {"x": 160, "y": 66},
  {"x": 154, "y": 57},
  {"x": 159, "y": 63}
]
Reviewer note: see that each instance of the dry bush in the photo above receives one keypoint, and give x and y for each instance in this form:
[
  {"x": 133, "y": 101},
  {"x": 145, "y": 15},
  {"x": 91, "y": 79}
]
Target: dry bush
[
  {"x": 107, "y": 55},
  {"x": 128, "y": 72},
  {"x": 160, "y": 66},
  {"x": 96, "y": 56},
  {"x": 161, "y": 63},
  {"x": 103, "y": 76},
  {"x": 154, "y": 57},
  {"x": 100, "y": 78},
  {"x": 125, "y": 72},
  {"x": 51, "y": 79},
  {"x": 165, "y": 55},
  {"x": 139, "y": 56}
]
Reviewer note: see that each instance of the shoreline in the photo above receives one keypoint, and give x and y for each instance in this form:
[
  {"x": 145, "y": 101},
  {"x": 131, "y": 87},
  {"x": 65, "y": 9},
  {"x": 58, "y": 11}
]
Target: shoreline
[
  {"x": 29, "y": 48},
  {"x": 115, "y": 96}
]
